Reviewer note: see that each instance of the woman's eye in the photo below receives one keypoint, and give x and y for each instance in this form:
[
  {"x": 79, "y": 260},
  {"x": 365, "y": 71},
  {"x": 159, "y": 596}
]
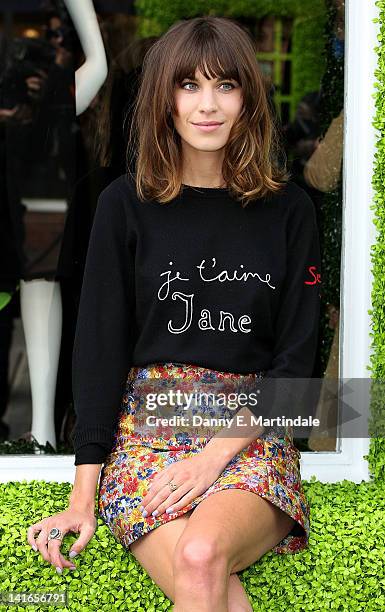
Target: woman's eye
[
  {"x": 228, "y": 83},
  {"x": 184, "y": 85},
  {"x": 191, "y": 83}
]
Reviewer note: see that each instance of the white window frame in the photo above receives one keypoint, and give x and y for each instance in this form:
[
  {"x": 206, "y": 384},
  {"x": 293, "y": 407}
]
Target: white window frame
[{"x": 358, "y": 229}]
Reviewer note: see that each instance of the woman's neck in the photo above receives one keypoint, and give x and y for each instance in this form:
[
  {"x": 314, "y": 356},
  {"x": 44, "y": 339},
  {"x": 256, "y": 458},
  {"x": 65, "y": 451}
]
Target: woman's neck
[
  {"x": 203, "y": 184},
  {"x": 204, "y": 170}
]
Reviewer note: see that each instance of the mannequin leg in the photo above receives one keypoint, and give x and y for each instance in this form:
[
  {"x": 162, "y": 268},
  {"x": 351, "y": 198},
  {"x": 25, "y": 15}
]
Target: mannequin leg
[
  {"x": 6, "y": 329},
  {"x": 41, "y": 314}
]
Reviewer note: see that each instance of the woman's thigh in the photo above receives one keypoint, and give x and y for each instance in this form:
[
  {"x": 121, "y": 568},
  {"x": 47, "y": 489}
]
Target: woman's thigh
[
  {"x": 155, "y": 553},
  {"x": 238, "y": 524},
  {"x": 155, "y": 550}
]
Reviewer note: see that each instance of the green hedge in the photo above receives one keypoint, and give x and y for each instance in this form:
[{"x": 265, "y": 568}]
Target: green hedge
[
  {"x": 377, "y": 358},
  {"x": 308, "y": 28},
  {"x": 331, "y": 102},
  {"x": 342, "y": 569}
]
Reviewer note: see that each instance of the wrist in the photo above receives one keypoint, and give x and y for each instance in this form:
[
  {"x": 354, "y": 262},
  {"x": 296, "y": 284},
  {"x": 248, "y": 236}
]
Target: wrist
[
  {"x": 81, "y": 505},
  {"x": 219, "y": 451}
]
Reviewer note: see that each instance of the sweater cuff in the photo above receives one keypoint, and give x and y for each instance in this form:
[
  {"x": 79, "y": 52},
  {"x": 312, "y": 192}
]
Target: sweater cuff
[
  {"x": 90, "y": 453},
  {"x": 83, "y": 435}
]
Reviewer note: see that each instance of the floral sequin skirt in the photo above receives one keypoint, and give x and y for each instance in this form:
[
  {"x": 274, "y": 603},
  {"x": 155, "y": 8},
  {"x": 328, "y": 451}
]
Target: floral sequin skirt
[{"x": 268, "y": 466}]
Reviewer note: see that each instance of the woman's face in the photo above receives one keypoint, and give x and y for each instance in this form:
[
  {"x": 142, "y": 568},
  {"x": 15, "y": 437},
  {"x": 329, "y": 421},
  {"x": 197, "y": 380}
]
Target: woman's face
[{"x": 204, "y": 100}]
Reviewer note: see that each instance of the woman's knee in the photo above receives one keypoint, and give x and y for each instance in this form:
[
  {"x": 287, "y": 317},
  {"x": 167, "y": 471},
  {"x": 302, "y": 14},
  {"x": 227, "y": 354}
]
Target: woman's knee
[{"x": 201, "y": 554}]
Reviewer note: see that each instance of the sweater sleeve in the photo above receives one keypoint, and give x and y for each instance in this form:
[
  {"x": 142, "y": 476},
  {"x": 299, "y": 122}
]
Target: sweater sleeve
[
  {"x": 297, "y": 317},
  {"x": 103, "y": 336}
]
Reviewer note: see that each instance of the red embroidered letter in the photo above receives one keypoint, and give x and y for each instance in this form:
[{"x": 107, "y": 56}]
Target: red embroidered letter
[{"x": 316, "y": 276}]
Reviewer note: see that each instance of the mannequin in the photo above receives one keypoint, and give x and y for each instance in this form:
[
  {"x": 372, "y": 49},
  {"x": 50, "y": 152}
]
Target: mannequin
[{"x": 40, "y": 299}]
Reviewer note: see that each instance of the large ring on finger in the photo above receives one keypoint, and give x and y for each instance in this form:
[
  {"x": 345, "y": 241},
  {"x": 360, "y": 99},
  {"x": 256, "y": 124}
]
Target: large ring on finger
[
  {"x": 55, "y": 534},
  {"x": 172, "y": 485}
]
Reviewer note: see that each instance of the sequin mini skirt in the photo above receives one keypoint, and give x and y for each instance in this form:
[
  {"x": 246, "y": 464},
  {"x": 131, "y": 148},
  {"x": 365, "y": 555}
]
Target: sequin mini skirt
[{"x": 269, "y": 466}]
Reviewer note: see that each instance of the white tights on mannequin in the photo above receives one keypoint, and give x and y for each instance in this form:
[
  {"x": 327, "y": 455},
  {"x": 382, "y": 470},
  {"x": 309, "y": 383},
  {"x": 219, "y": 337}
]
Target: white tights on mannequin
[
  {"x": 40, "y": 300},
  {"x": 41, "y": 313}
]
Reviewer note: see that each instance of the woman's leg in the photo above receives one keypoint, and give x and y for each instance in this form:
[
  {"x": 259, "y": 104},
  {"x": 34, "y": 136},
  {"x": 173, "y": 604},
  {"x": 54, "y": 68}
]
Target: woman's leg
[
  {"x": 227, "y": 532},
  {"x": 155, "y": 552}
]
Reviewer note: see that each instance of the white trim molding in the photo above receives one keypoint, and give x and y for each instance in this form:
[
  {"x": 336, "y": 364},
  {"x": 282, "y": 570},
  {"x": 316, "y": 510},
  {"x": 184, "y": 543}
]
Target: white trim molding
[
  {"x": 51, "y": 468},
  {"x": 358, "y": 233}
]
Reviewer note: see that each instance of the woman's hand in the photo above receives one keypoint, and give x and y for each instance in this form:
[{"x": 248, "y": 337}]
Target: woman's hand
[
  {"x": 193, "y": 475},
  {"x": 70, "y": 520}
]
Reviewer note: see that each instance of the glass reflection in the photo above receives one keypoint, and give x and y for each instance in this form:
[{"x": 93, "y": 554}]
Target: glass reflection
[{"x": 55, "y": 164}]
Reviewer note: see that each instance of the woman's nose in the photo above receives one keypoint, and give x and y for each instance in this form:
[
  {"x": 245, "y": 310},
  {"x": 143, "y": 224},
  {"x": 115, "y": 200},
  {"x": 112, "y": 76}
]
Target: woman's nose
[{"x": 207, "y": 100}]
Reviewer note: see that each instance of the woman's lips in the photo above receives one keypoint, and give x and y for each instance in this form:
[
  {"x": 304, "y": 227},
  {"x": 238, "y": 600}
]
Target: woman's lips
[{"x": 207, "y": 128}]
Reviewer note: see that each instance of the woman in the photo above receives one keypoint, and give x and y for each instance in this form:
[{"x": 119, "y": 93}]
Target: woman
[{"x": 197, "y": 276}]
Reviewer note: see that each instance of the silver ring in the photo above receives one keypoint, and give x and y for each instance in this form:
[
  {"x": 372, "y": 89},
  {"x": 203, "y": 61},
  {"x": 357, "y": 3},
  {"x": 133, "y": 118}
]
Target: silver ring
[
  {"x": 172, "y": 485},
  {"x": 55, "y": 534}
]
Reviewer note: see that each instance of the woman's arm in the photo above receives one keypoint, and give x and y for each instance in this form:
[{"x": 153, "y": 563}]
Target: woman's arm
[
  {"x": 228, "y": 441},
  {"x": 82, "y": 496},
  {"x": 104, "y": 333},
  {"x": 296, "y": 332}
]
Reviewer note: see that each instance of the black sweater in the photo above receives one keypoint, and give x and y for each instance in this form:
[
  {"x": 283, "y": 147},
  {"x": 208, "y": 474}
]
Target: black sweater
[{"x": 198, "y": 280}]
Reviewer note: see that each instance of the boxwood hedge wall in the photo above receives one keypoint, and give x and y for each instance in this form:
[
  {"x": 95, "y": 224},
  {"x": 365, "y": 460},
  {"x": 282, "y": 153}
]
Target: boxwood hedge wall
[
  {"x": 308, "y": 28},
  {"x": 342, "y": 569},
  {"x": 377, "y": 312}
]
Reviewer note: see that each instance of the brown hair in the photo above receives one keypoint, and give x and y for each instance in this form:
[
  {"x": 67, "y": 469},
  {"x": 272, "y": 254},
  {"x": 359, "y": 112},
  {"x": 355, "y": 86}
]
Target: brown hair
[{"x": 251, "y": 168}]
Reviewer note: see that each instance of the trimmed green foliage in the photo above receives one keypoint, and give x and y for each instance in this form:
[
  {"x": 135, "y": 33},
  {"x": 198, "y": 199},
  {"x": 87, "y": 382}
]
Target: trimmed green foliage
[
  {"x": 308, "y": 28},
  {"x": 377, "y": 312},
  {"x": 342, "y": 569}
]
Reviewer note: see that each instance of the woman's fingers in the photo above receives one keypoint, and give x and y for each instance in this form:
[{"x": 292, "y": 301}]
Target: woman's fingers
[
  {"x": 56, "y": 558},
  {"x": 50, "y": 550},
  {"x": 31, "y": 534},
  {"x": 41, "y": 543},
  {"x": 161, "y": 497},
  {"x": 86, "y": 533},
  {"x": 178, "y": 504},
  {"x": 165, "y": 498}
]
